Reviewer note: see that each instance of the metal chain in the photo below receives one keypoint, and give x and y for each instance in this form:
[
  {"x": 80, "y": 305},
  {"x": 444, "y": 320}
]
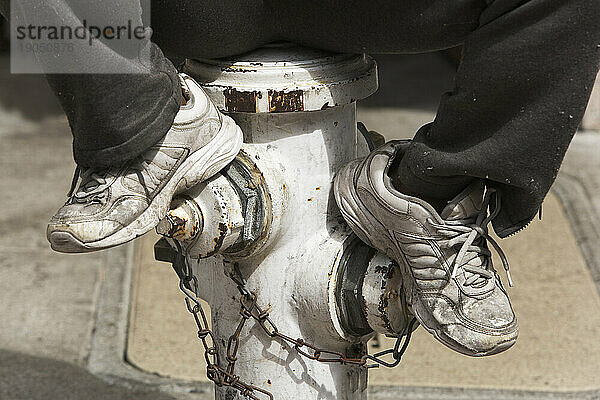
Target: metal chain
[
  {"x": 214, "y": 371},
  {"x": 249, "y": 309}
]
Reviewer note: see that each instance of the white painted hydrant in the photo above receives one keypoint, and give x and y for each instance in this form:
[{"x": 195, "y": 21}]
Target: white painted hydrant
[{"x": 294, "y": 295}]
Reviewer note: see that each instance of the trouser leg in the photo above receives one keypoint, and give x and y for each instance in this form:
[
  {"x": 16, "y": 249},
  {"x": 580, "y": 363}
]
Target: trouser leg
[
  {"x": 116, "y": 117},
  {"x": 521, "y": 89},
  {"x": 113, "y": 117}
]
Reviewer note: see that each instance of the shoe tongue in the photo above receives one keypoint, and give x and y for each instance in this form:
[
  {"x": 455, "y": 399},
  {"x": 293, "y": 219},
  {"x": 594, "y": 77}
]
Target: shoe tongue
[
  {"x": 186, "y": 93},
  {"x": 466, "y": 204}
]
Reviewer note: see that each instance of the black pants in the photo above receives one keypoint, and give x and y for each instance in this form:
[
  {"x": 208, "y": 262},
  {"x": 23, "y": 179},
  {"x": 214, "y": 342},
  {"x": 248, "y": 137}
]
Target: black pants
[{"x": 527, "y": 70}]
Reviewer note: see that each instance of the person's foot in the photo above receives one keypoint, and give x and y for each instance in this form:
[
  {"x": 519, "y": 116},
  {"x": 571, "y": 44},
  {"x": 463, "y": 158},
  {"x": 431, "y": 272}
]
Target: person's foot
[
  {"x": 452, "y": 287},
  {"x": 113, "y": 206}
]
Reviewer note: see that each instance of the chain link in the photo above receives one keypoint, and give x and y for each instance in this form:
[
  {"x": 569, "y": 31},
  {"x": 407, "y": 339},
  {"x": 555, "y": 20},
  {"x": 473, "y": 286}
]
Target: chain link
[
  {"x": 214, "y": 371},
  {"x": 249, "y": 309}
]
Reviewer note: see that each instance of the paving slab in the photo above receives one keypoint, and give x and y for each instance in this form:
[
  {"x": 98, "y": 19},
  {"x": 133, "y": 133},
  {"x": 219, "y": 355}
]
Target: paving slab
[
  {"x": 162, "y": 335},
  {"x": 591, "y": 119},
  {"x": 555, "y": 299},
  {"x": 47, "y": 299}
]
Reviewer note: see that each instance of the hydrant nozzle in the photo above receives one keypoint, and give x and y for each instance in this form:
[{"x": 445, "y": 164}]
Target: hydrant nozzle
[
  {"x": 227, "y": 213},
  {"x": 183, "y": 222}
]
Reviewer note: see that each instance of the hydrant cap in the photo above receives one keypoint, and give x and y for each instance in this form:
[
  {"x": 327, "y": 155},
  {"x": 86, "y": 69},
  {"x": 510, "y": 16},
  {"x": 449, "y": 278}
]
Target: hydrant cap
[{"x": 283, "y": 77}]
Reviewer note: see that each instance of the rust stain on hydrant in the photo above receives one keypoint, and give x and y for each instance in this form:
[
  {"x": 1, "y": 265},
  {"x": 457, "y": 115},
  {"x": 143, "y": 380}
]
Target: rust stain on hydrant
[
  {"x": 280, "y": 101},
  {"x": 177, "y": 226},
  {"x": 238, "y": 101}
]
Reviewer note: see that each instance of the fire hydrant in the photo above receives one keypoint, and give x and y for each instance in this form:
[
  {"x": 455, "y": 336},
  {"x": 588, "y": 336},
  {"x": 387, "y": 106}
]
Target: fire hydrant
[{"x": 294, "y": 295}]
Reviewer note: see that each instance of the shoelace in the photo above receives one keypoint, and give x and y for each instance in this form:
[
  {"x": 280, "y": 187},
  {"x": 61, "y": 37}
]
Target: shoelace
[
  {"x": 139, "y": 169},
  {"x": 473, "y": 233},
  {"x": 93, "y": 184}
]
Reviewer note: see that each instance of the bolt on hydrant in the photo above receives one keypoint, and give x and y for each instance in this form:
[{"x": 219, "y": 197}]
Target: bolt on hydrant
[{"x": 294, "y": 294}]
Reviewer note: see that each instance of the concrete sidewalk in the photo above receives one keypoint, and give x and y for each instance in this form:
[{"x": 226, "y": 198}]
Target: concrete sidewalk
[
  {"x": 48, "y": 301},
  {"x": 555, "y": 298},
  {"x": 65, "y": 314}
]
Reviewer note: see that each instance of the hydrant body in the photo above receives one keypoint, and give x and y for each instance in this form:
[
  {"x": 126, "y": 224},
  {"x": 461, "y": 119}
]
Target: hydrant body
[{"x": 297, "y": 109}]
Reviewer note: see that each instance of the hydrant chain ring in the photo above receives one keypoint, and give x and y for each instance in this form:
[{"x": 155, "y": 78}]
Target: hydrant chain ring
[
  {"x": 249, "y": 183},
  {"x": 351, "y": 272}
]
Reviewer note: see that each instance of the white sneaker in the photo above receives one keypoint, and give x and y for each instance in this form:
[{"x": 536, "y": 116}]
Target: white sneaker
[
  {"x": 116, "y": 205},
  {"x": 451, "y": 285}
]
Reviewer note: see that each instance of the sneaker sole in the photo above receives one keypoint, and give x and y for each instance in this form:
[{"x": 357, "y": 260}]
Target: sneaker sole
[
  {"x": 355, "y": 215},
  {"x": 213, "y": 157}
]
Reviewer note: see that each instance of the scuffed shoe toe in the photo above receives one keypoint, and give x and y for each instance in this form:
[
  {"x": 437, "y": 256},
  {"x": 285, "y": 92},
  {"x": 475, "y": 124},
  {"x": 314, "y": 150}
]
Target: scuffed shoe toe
[{"x": 468, "y": 341}]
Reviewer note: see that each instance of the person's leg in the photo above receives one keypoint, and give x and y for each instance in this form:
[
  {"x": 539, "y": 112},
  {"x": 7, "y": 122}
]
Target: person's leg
[
  {"x": 527, "y": 70},
  {"x": 113, "y": 117},
  {"x": 211, "y": 28},
  {"x": 139, "y": 138},
  {"x": 116, "y": 117},
  {"x": 520, "y": 92}
]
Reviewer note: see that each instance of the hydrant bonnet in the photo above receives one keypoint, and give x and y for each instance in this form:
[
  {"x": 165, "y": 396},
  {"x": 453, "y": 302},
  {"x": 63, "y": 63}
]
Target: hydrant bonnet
[{"x": 285, "y": 78}]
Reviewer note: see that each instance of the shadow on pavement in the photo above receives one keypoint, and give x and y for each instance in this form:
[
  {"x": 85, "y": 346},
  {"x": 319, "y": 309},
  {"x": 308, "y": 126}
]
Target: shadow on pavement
[{"x": 24, "y": 377}]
